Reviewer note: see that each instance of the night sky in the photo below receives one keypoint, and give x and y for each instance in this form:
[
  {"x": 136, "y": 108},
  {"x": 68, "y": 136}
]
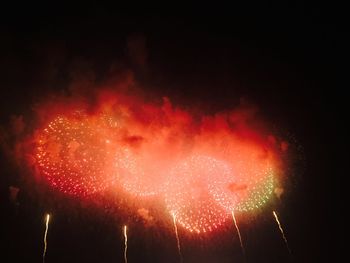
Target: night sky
[{"x": 284, "y": 58}]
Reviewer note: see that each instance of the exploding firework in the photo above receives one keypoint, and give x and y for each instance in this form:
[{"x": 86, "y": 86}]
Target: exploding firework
[
  {"x": 251, "y": 182},
  {"x": 187, "y": 195},
  {"x": 47, "y": 220},
  {"x": 204, "y": 167},
  {"x": 73, "y": 153}
]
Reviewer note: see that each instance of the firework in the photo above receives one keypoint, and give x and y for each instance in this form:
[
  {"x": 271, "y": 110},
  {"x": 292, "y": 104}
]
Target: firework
[
  {"x": 177, "y": 238},
  {"x": 187, "y": 195},
  {"x": 125, "y": 243},
  {"x": 259, "y": 194},
  {"x": 281, "y": 230},
  {"x": 73, "y": 155},
  {"x": 250, "y": 183},
  {"x": 47, "y": 220},
  {"x": 204, "y": 167}
]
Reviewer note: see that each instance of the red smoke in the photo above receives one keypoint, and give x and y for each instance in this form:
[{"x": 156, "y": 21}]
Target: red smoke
[{"x": 201, "y": 165}]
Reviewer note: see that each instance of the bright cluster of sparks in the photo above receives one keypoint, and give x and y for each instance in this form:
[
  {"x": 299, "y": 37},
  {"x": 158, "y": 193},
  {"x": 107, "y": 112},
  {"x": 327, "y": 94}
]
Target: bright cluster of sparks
[
  {"x": 190, "y": 200},
  {"x": 74, "y": 156},
  {"x": 201, "y": 170}
]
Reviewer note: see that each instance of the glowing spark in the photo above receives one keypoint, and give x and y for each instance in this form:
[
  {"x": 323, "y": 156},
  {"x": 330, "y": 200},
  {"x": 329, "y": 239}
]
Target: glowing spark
[
  {"x": 125, "y": 244},
  {"x": 282, "y": 232},
  {"x": 238, "y": 232},
  {"x": 177, "y": 237},
  {"x": 45, "y": 235}
]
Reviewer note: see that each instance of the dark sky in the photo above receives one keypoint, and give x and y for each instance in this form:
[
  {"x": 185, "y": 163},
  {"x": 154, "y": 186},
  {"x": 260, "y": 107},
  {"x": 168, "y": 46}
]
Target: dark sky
[{"x": 285, "y": 57}]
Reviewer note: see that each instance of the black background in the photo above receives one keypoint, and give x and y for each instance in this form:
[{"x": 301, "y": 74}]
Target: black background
[{"x": 285, "y": 57}]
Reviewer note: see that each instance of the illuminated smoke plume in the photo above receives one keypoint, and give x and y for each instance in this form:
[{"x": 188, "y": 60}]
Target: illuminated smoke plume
[
  {"x": 278, "y": 192},
  {"x": 199, "y": 167}
]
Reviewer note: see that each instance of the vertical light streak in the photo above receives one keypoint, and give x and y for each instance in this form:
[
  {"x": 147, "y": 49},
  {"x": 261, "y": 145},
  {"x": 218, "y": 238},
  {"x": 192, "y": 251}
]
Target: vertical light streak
[
  {"x": 238, "y": 232},
  {"x": 125, "y": 243},
  {"x": 282, "y": 232},
  {"x": 45, "y": 235},
  {"x": 177, "y": 237}
]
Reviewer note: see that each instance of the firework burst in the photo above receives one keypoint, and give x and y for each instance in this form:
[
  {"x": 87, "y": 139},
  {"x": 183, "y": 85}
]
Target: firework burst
[
  {"x": 250, "y": 183},
  {"x": 187, "y": 195},
  {"x": 72, "y": 155}
]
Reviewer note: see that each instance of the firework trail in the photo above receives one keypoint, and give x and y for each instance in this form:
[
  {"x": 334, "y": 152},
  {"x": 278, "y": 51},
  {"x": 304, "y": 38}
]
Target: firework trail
[
  {"x": 125, "y": 244},
  {"x": 238, "y": 232},
  {"x": 45, "y": 235},
  {"x": 177, "y": 237},
  {"x": 282, "y": 232}
]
